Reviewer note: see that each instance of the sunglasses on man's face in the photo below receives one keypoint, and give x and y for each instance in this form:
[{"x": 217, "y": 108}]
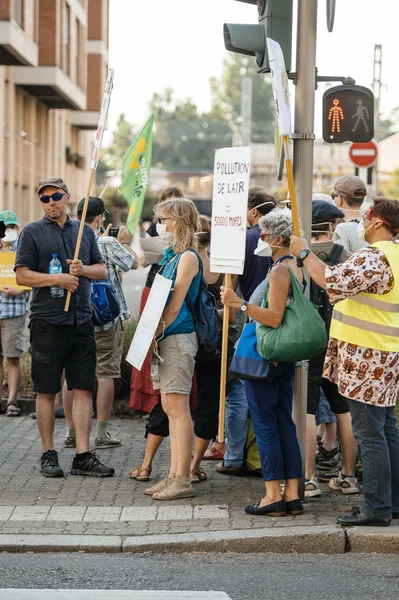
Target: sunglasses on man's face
[{"x": 46, "y": 199}]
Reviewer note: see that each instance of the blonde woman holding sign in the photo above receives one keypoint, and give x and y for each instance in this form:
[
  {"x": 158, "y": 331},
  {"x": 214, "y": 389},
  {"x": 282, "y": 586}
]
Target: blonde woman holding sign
[{"x": 177, "y": 341}]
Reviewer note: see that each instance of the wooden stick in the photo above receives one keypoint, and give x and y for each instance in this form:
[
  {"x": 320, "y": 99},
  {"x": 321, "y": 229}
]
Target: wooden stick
[
  {"x": 82, "y": 224},
  {"x": 291, "y": 187},
  {"x": 223, "y": 368}
]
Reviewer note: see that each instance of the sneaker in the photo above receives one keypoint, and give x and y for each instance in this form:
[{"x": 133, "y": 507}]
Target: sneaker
[
  {"x": 106, "y": 442},
  {"x": 326, "y": 476},
  {"x": 49, "y": 465},
  {"x": 91, "y": 465},
  {"x": 312, "y": 489},
  {"x": 331, "y": 463},
  {"x": 346, "y": 485},
  {"x": 70, "y": 442},
  {"x": 161, "y": 485},
  {"x": 324, "y": 454},
  {"x": 175, "y": 490}
]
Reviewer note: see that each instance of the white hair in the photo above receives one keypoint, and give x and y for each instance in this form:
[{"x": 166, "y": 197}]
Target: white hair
[{"x": 278, "y": 222}]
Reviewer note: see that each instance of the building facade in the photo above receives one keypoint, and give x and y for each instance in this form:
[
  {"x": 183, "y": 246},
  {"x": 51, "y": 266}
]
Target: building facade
[{"x": 53, "y": 68}]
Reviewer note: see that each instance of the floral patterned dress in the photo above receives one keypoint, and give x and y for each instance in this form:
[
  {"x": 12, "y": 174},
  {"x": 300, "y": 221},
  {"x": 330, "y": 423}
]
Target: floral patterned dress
[{"x": 362, "y": 374}]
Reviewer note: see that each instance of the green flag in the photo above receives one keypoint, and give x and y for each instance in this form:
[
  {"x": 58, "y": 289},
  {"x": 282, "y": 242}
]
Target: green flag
[{"x": 136, "y": 174}]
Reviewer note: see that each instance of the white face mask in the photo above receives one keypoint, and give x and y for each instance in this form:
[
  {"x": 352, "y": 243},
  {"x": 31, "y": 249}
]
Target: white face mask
[
  {"x": 167, "y": 236},
  {"x": 11, "y": 236},
  {"x": 361, "y": 231},
  {"x": 263, "y": 249}
]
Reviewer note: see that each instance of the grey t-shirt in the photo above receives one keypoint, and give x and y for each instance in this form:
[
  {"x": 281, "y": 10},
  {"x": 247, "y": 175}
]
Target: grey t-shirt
[{"x": 346, "y": 235}]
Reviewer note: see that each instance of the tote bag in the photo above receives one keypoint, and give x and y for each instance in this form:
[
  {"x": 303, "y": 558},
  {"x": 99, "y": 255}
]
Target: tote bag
[
  {"x": 301, "y": 335},
  {"x": 247, "y": 362}
]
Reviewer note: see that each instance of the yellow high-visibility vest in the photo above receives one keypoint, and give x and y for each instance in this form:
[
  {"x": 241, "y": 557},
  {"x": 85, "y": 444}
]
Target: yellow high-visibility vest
[{"x": 371, "y": 320}]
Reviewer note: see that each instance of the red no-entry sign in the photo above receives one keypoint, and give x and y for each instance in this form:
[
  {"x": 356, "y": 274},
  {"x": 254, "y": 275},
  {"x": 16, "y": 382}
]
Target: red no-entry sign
[{"x": 363, "y": 155}]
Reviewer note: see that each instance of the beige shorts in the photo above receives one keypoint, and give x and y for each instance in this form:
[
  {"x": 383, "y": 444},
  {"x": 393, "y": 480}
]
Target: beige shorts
[
  {"x": 177, "y": 369},
  {"x": 109, "y": 351},
  {"x": 12, "y": 337}
]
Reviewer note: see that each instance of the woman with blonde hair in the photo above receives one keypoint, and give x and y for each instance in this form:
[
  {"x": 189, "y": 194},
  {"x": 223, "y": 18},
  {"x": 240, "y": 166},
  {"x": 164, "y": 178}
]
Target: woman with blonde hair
[
  {"x": 177, "y": 341},
  {"x": 142, "y": 395}
]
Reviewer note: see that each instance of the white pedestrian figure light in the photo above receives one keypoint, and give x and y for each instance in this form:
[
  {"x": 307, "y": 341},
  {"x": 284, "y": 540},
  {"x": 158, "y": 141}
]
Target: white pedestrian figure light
[{"x": 361, "y": 114}]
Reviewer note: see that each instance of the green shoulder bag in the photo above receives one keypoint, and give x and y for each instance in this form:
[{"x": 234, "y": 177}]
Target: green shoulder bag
[{"x": 301, "y": 335}]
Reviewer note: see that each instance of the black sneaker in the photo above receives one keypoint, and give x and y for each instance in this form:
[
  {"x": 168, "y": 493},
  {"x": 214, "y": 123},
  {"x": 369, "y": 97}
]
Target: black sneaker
[
  {"x": 324, "y": 454},
  {"x": 49, "y": 464},
  {"x": 328, "y": 475},
  {"x": 90, "y": 465}
]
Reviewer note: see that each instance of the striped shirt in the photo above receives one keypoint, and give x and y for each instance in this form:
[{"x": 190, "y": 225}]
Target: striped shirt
[{"x": 115, "y": 257}]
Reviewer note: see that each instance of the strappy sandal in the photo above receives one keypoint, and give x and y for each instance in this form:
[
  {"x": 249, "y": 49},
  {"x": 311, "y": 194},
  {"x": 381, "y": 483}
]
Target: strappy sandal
[
  {"x": 13, "y": 410},
  {"x": 198, "y": 475},
  {"x": 139, "y": 470}
]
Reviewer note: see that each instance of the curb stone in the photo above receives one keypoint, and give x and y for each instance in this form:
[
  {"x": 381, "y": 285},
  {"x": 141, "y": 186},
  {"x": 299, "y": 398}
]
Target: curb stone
[
  {"x": 317, "y": 540},
  {"x": 380, "y": 540}
]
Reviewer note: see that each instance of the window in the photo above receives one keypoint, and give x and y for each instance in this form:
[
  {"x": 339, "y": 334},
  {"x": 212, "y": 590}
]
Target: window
[
  {"x": 65, "y": 38},
  {"x": 17, "y": 12},
  {"x": 77, "y": 56}
]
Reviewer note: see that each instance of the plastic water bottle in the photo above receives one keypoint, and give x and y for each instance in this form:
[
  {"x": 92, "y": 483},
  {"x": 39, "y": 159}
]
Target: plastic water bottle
[{"x": 54, "y": 268}]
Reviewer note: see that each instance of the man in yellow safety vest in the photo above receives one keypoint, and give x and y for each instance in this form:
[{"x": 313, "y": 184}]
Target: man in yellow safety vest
[{"x": 363, "y": 353}]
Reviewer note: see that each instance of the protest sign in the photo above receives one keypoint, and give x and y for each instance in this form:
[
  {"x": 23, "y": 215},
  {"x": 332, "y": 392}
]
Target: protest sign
[
  {"x": 149, "y": 321},
  {"x": 7, "y": 274},
  {"x": 229, "y": 209}
]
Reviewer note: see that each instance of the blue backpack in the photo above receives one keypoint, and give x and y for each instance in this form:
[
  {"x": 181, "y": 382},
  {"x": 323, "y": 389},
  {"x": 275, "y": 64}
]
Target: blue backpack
[
  {"x": 104, "y": 304},
  {"x": 206, "y": 321}
]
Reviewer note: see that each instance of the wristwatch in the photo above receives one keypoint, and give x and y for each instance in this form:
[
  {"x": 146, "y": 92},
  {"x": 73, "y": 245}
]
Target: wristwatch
[
  {"x": 302, "y": 255},
  {"x": 244, "y": 306}
]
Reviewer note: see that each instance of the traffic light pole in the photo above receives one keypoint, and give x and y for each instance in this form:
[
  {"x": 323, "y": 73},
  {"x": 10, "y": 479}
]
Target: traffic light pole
[{"x": 303, "y": 171}]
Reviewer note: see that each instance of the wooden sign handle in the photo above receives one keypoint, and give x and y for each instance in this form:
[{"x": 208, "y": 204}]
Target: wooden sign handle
[{"x": 223, "y": 367}]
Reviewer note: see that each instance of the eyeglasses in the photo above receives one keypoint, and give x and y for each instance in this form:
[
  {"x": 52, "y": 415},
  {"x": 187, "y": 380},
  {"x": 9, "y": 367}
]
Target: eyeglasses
[
  {"x": 46, "y": 199},
  {"x": 333, "y": 195}
]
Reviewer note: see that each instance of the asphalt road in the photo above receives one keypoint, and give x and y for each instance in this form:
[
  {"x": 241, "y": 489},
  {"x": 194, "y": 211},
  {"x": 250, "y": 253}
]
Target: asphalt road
[{"x": 239, "y": 576}]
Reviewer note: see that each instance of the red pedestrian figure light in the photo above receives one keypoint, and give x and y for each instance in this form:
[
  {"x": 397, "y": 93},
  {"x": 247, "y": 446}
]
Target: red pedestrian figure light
[{"x": 336, "y": 114}]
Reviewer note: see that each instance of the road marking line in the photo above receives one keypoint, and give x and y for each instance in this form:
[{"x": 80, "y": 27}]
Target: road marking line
[{"x": 52, "y": 594}]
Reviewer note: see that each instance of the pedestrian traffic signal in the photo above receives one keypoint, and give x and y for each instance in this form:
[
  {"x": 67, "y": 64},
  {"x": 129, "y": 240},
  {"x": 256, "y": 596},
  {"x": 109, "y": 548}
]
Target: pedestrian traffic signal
[
  {"x": 275, "y": 22},
  {"x": 348, "y": 114}
]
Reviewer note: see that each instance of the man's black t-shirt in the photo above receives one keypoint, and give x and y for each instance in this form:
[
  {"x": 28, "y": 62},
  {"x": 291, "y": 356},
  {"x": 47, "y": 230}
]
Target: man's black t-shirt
[{"x": 255, "y": 267}]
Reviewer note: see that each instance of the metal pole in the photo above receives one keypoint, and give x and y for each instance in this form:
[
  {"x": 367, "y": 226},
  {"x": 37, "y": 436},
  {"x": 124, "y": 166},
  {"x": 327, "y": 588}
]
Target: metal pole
[{"x": 303, "y": 166}]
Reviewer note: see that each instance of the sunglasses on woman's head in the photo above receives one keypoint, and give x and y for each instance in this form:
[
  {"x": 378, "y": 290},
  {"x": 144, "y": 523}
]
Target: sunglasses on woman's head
[{"x": 55, "y": 197}]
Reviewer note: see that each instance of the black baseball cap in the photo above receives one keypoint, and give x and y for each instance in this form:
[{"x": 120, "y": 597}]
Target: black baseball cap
[
  {"x": 323, "y": 211},
  {"x": 95, "y": 207}
]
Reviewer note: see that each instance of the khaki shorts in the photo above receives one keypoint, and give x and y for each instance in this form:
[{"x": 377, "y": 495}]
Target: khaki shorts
[
  {"x": 177, "y": 369},
  {"x": 12, "y": 337},
  {"x": 109, "y": 351}
]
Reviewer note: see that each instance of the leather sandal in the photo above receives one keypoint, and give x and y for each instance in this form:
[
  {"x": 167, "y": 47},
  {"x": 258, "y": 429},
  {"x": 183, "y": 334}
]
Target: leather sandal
[
  {"x": 138, "y": 473},
  {"x": 198, "y": 475},
  {"x": 13, "y": 410}
]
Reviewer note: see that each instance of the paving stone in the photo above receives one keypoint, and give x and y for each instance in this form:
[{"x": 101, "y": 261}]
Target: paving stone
[
  {"x": 138, "y": 513},
  {"x": 5, "y": 512},
  {"x": 66, "y": 513},
  {"x": 102, "y": 513},
  {"x": 174, "y": 513},
  {"x": 211, "y": 511},
  {"x": 30, "y": 513}
]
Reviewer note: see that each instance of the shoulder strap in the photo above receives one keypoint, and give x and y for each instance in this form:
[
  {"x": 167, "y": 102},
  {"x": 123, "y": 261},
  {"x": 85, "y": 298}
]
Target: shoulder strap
[{"x": 335, "y": 253}]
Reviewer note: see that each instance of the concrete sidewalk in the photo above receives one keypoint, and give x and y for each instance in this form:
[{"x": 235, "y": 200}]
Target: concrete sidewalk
[{"x": 113, "y": 514}]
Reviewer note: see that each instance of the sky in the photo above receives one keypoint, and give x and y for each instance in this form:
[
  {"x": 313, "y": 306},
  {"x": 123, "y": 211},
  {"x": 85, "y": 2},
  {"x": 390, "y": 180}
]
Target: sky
[{"x": 179, "y": 44}]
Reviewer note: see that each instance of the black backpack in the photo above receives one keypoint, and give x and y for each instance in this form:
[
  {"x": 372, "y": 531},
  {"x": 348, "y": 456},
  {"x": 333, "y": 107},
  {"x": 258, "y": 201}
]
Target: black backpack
[{"x": 319, "y": 296}]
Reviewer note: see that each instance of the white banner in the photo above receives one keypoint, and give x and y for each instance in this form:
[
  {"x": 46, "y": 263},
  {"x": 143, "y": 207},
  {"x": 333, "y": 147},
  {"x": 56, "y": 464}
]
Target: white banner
[
  {"x": 102, "y": 119},
  {"x": 149, "y": 321},
  {"x": 280, "y": 87},
  {"x": 229, "y": 209}
]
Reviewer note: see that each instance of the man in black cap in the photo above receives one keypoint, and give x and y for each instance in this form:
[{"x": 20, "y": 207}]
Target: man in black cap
[
  {"x": 348, "y": 195},
  {"x": 325, "y": 217},
  {"x": 61, "y": 339},
  {"x": 118, "y": 257}
]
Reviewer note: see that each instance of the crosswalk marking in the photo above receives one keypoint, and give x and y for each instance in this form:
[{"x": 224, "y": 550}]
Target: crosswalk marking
[{"x": 26, "y": 594}]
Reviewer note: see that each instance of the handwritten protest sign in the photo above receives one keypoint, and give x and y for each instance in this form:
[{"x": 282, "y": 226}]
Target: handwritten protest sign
[
  {"x": 7, "y": 275},
  {"x": 229, "y": 209}
]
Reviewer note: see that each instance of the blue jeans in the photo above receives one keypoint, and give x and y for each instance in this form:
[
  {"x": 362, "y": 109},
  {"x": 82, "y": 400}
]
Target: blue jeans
[
  {"x": 236, "y": 423},
  {"x": 270, "y": 405},
  {"x": 376, "y": 431}
]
